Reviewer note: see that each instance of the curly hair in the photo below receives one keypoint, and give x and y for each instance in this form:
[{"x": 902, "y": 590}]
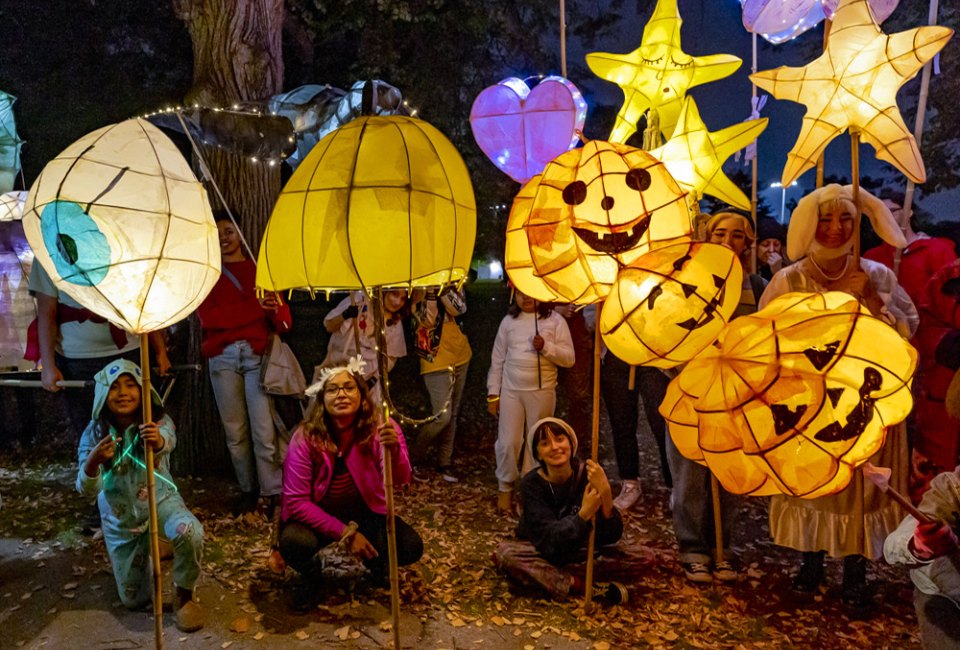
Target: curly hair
[{"x": 317, "y": 423}]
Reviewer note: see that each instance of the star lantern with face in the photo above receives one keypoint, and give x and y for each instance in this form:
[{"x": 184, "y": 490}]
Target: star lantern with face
[
  {"x": 694, "y": 156},
  {"x": 794, "y": 397},
  {"x": 671, "y": 303},
  {"x": 853, "y": 85},
  {"x": 593, "y": 211},
  {"x": 657, "y": 74}
]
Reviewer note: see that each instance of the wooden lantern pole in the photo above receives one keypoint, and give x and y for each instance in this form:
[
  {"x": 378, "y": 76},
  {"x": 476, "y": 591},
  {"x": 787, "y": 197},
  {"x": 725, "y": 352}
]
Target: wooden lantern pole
[
  {"x": 382, "y": 369},
  {"x": 753, "y": 163},
  {"x": 563, "y": 39},
  {"x": 827, "y": 24},
  {"x": 594, "y": 451},
  {"x": 146, "y": 403},
  {"x": 717, "y": 522},
  {"x": 855, "y": 173}
]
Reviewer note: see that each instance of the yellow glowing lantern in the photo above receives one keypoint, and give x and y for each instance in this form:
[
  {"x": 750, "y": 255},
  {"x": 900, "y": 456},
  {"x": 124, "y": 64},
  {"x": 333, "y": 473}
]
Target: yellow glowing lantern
[
  {"x": 853, "y": 85},
  {"x": 794, "y": 397},
  {"x": 671, "y": 303},
  {"x": 657, "y": 74},
  {"x": 121, "y": 224},
  {"x": 517, "y": 259},
  {"x": 694, "y": 156},
  {"x": 591, "y": 212},
  {"x": 382, "y": 201}
]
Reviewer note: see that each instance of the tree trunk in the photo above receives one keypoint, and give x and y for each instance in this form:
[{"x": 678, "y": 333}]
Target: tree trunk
[{"x": 238, "y": 57}]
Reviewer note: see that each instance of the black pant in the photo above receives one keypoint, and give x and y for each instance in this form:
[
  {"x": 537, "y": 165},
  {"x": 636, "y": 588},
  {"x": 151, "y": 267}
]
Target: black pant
[
  {"x": 299, "y": 542},
  {"x": 623, "y": 409}
]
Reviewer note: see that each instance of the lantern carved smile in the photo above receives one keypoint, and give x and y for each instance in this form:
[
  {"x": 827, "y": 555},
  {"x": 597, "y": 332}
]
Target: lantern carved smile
[
  {"x": 671, "y": 303},
  {"x": 591, "y": 212},
  {"x": 793, "y": 397}
]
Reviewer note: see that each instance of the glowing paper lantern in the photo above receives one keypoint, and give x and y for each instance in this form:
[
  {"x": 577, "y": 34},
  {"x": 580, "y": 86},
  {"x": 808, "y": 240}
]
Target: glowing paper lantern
[
  {"x": 881, "y": 8},
  {"x": 694, "y": 156},
  {"x": 521, "y": 130},
  {"x": 517, "y": 259},
  {"x": 657, "y": 74},
  {"x": 591, "y": 212},
  {"x": 783, "y": 20},
  {"x": 17, "y": 308},
  {"x": 383, "y": 201},
  {"x": 121, "y": 224},
  {"x": 9, "y": 143},
  {"x": 794, "y": 397},
  {"x": 854, "y": 85},
  {"x": 671, "y": 303}
]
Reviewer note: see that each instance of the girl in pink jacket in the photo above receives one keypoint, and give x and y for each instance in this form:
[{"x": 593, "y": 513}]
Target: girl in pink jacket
[{"x": 333, "y": 482}]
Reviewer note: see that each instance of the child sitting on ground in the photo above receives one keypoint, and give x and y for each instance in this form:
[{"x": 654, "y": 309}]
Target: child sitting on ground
[
  {"x": 558, "y": 501},
  {"x": 112, "y": 464}
]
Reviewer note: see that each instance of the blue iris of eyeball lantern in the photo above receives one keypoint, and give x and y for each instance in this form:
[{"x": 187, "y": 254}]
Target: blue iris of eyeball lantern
[{"x": 121, "y": 224}]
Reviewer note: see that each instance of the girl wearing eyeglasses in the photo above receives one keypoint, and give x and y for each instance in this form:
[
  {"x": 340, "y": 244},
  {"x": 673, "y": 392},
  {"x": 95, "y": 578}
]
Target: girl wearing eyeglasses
[{"x": 333, "y": 482}]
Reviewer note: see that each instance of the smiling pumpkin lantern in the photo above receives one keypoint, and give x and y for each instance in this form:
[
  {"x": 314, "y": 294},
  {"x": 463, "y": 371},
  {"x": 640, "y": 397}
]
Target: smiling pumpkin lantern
[{"x": 592, "y": 212}]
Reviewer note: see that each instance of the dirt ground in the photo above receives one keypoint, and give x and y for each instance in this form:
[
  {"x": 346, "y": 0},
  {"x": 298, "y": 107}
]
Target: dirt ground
[{"x": 56, "y": 587}]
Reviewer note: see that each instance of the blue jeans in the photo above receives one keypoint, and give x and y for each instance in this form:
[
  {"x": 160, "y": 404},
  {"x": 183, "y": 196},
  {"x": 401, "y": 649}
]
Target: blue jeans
[
  {"x": 247, "y": 418},
  {"x": 445, "y": 426},
  {"x": 693, "y": 509}
]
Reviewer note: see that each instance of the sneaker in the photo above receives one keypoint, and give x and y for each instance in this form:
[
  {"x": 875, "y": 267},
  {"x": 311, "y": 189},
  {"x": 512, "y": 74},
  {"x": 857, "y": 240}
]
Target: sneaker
[
  {"x": 629, "y": 495},
  {"x": 247, "y": 502},
  {"x": 447, "y": 475},
  {"x": 698, "y": 572},
  {"x": 420, "y": 475},
  {"x": 724, "y": 571}
]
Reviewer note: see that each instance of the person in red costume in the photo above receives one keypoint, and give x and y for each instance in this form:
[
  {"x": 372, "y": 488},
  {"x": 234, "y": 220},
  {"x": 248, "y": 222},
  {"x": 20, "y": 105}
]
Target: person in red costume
[{"x": 933, "y": 435}]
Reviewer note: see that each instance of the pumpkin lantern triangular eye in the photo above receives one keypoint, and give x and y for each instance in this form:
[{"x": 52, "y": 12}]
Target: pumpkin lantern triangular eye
[
  {"x": 638, "y": 179},
  {"x": 575, "y": 193}
]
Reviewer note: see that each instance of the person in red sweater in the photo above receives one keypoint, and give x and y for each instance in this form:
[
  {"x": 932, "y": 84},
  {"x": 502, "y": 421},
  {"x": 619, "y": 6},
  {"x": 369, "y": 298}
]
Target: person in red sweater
[
  {"x": 236, "y": 326},
  {"x": 933, "y": 435}
]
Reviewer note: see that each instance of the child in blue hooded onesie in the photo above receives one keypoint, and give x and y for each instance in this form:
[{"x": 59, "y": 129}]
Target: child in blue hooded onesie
[{"x": 112, "y": 464}]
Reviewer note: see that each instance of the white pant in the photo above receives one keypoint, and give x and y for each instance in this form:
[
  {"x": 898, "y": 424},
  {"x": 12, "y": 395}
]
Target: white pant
[{"x": 518, "y": 411}]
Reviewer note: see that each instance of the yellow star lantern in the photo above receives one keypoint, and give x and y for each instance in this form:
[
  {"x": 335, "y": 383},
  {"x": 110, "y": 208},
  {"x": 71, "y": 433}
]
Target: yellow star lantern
[
  {"x": 671, "y": 303},
  {"x": 121, "y": 224},
  {"x": 694, "y": 156},
  {"x": 657, "y": 74},
  {"x": 794, "y": 397},
  {"x": 592, "y": 211},
  {"x": 382, "y": 201},
  {"x": 853, "y": 85}
]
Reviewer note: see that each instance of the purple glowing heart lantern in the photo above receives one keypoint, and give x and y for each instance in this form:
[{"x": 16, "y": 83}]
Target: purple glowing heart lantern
[{"x": 521, "y": 130}]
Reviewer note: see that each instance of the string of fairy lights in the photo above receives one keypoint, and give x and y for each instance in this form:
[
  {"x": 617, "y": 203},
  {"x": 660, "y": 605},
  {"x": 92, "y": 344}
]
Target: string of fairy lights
[{"x": 247, "y": 110}]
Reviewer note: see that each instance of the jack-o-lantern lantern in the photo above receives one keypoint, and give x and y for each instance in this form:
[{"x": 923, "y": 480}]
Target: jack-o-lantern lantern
[
  {"x": 671, "y": 303},
  {"x": 593, "y": 211},
  {"x": 794, "y": 397}
]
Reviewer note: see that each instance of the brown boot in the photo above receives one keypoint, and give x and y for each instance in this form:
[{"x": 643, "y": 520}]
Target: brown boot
[{"x": 188, "y": 613}]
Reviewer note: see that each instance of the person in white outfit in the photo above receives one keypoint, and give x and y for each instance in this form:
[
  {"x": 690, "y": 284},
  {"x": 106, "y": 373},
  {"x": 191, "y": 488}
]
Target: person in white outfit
[{"x": 531, "y": 343}]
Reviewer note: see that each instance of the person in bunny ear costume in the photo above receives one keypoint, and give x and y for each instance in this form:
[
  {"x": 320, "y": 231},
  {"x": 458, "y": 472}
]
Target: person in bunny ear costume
[{"x": 820, "y": 236}]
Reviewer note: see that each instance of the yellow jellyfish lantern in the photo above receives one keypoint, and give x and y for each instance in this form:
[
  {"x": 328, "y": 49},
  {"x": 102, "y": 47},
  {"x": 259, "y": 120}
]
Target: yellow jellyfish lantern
[
  {"x": 794, "y": 397},
  {"x": 382, "y": 201},
  {"x": 592, "y": 211},
  {"x": 694, "y": 156},
  {"x": 121, "y": 224},
  {"x": 671, "y": 303},
  {"x": 853, "y": 85},
  {"x": 657, "y": 74}
]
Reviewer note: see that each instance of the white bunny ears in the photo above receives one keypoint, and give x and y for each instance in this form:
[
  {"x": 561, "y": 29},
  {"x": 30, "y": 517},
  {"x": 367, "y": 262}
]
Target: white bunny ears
[{"x": 803, "y": 221}]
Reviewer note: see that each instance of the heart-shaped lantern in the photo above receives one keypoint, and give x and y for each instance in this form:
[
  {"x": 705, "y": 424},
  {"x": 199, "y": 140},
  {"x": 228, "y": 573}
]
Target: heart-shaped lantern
[{"x": 521, "y": 130}]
